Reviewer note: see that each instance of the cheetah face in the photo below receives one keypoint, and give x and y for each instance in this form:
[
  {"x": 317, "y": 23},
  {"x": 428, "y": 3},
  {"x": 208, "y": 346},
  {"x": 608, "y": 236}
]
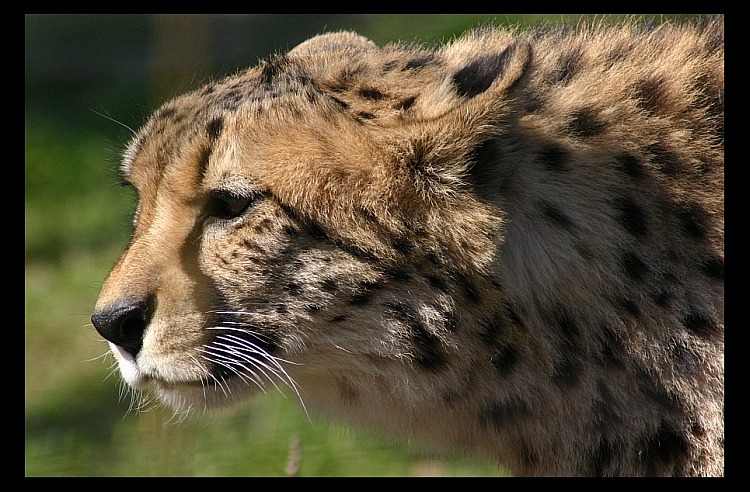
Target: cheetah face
[{"x": 282, "y": 222}]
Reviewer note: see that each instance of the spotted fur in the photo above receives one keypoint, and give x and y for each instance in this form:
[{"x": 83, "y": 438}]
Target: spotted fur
[{"x": 511, "y": 245}]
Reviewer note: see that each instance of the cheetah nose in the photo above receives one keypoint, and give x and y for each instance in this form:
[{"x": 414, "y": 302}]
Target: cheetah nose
[{"x": 123, "y": 326}]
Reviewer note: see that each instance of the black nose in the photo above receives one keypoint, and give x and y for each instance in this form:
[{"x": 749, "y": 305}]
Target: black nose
[{"x": 123, "y": 326}]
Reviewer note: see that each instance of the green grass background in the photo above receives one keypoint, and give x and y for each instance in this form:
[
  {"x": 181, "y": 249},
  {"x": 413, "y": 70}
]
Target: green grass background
[{"x": 82, "y": 70}]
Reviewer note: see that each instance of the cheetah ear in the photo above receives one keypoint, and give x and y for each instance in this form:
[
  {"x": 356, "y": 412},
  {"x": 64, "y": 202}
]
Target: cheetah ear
[
  {"x": 333, "y": 42},
  {"x": 439, "y": 150},
  {"x": 493, "y": 71}
]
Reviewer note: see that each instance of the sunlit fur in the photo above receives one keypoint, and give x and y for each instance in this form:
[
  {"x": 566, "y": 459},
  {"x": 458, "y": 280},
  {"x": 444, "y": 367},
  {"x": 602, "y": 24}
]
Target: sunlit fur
[{"x": 511, "y": 245}]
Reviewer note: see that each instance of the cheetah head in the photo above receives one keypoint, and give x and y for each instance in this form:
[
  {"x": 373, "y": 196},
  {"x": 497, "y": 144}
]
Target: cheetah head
[{"x": 291, "y": 219}]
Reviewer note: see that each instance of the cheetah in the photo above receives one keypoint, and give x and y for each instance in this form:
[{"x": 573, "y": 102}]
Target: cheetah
[{"x": 510, "y": 245}]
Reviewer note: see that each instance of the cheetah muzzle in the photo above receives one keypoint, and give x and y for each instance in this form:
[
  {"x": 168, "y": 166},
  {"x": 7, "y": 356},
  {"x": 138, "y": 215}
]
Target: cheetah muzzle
[{"x": 511, "y": 245}]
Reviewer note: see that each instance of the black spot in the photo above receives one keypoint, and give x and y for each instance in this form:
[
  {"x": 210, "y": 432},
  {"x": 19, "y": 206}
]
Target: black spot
[
  {"x": 568, "y": 66},
  {"x": 165, "y": 113},
  {"x": 273, "y": 68},
  {"x": 437, "y": 282},
  {"x": 585, "y": 123},
  {"x": 651, "y": 94},
  {"x": 662, "y": 298},
  {"x": 513, "y": 315},
  {"x": 694, "y": 220},
  {"x": 395, "y": 274},
  {"x": 656, "y": 393},
  {"x": 365, "y": 115},
  {"x": 478, "y": 76},
  {"x": 339, "y": 318},
  {"x": 342, "y": 104},
  {"x": 567, "y": 372},
  {"x": 631, "y": 216},
  {"x": 533, "y": 101},
  {"x": 357, "y": 251},
  {"x": 264, "y": 225},
  {"x": 529, "y": 456},
  {"x": 214, "y": 127},
  {"x": 556, "y": 216},
  {"x": 499, "y": 414},
  {"x": 407, "y": 103},
  {"x": 389, "y": 65},
  {"x": 315, "y": 231},
  {"x": 468, "y": 288},
  {"x": 701, "y": 325},
  {"x": 504, "y": 359},
  {"x": 290, "y": 231},
  {"x": 566, "y": 324},
  {"x": 363, "y": 293},
  {"x": 369, "y": 93},
  {"x": 360, "y": 298},
  {"x": 712, "y": 267},
  {"x": 281, "y": 308},
  {"x": 612, "y": 349},
  {"x": 429, "y": 352},
  {"x": 293, "y": 288},
  {"x": 489, "y": 331},
  {"x": 602, "y": 457},
  {"x": 620, "y": 51},
  {"x": 232, "y": 99},
  {"x": 203, "y": 159},
  {"x": 434, "y": 258},
  {"x": 685, "y": 357},
  {"x": 605, "y": 410},
  {"x": 665, "y": 159},
  {"x": 633, "y": 266},
  {"x": 403, "y": 245},
  {"x": 419, "y": 62},
  {"x": 631, "y": 165},
  {"x": 347, "y": 76},
  {"x": 710, "y": 94},
  {"x": 368, "y": 214},
  {"x": 554, "y": 157},
  {"x": 630, "y": 306},
  {"x": 347, "y": 391},
  {"x": 697, "y": 429},
  {"x": 666, "y": 452},
  {"x": 328, "y": 285},
  {"x": 484, "y": 159}
]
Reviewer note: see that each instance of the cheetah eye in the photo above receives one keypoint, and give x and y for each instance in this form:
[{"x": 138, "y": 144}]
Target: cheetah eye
[{"x": 224, "y": 204}]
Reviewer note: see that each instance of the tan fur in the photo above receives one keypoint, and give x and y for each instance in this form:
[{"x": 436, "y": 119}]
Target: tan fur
[{"x": 511, "y": 245}]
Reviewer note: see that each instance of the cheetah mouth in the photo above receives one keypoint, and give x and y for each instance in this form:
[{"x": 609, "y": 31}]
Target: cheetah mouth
[
  {"x": 234, "y": 364},
  {"x": 233, "y": 377},
  {"x": 139, "y": 378}
]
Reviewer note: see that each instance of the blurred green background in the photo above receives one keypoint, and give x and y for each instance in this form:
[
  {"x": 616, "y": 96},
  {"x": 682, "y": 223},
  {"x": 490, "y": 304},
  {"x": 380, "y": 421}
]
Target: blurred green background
[{"x": 88, "y": 79}]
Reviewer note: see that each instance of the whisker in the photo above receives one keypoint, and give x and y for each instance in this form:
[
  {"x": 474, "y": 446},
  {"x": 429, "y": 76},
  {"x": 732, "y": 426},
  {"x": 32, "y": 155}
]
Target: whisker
[
  {"x": 259, "y": 336},
  {"x": 113, "y": 120},
  {"x": 216, "y": 382},
  {"x": 232, "y": 365},
  {"x": 256, "y": 363},
  {"x": 240, "y": 347}
]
